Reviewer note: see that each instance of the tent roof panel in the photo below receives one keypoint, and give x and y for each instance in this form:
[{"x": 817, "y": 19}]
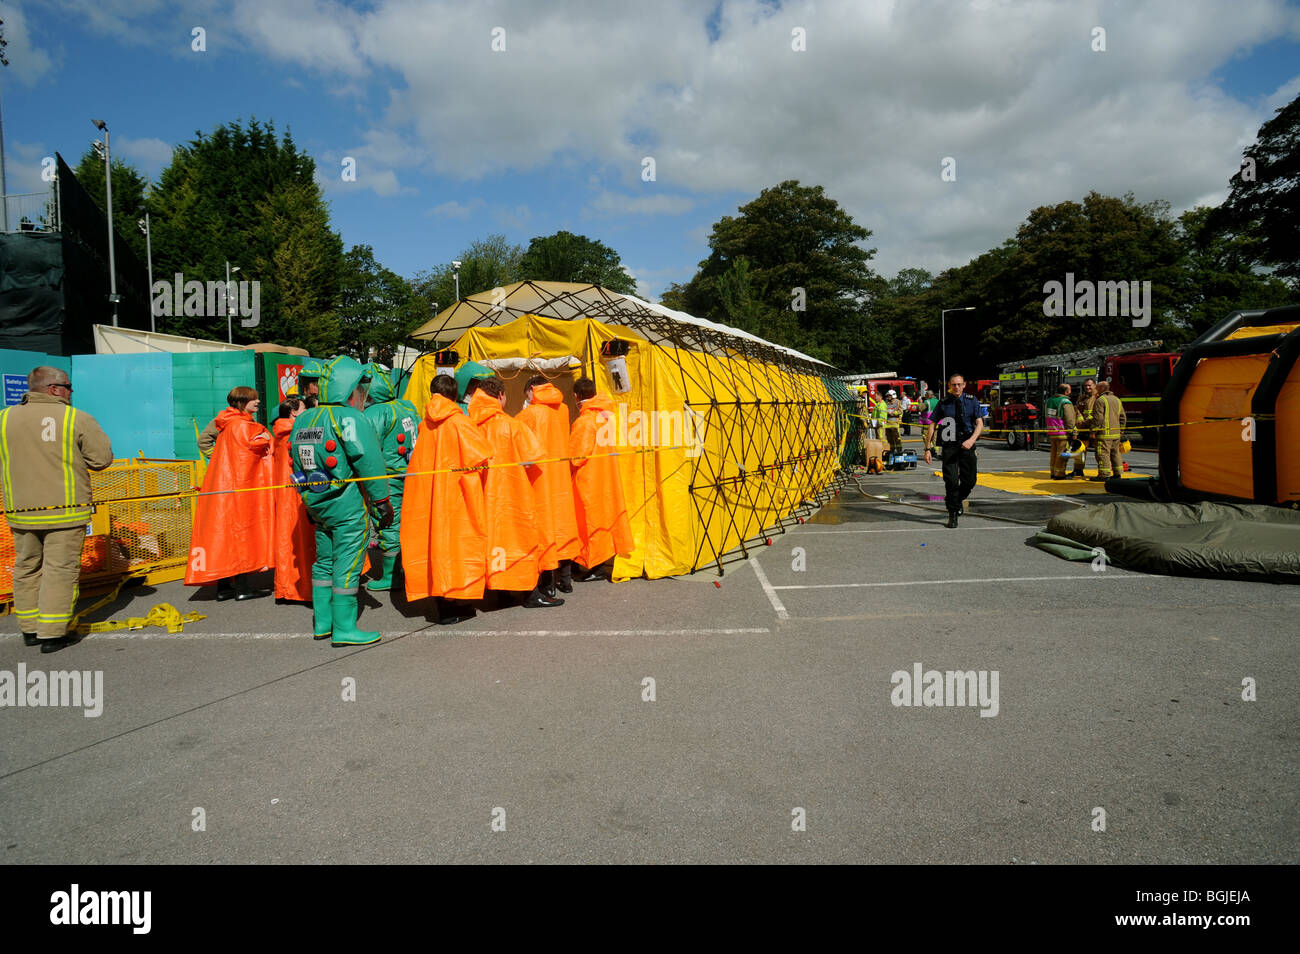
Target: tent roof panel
[{"x": 570, "y": 301}]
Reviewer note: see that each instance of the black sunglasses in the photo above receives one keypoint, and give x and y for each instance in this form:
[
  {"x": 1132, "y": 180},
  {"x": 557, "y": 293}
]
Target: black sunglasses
[{"x": 67, "y": 387}]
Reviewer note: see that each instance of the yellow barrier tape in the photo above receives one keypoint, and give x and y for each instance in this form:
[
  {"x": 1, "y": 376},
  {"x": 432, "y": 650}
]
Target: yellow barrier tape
[
  {"x": 195, "y": 492},
  {"x": 162, "y": 614}
]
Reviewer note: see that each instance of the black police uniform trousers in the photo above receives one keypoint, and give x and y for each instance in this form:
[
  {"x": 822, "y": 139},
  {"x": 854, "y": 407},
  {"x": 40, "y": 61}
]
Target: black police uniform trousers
[{"x": 959, "y": 474}]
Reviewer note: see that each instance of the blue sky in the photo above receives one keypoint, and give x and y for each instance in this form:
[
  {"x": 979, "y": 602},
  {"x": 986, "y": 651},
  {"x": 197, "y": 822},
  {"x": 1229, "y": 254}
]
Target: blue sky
[{"x": 455, "y": 140}]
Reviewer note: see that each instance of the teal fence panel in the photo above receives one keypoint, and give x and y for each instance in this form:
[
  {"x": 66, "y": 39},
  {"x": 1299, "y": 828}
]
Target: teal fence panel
[
  {"x": 200, "y": 383},
  {"x": 130, "y": 395}
]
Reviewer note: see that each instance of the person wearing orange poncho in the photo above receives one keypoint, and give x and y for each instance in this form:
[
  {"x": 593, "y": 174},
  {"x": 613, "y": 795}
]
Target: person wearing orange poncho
[
  {"x": 444, "y": 524},
  {"x": 234, "y": 532},
  {"x": 603, "y": 528},
  {"x": 514, "y": 536},
  {"x": 547, "y": 416},
  {"x": 295, "y": 537}
]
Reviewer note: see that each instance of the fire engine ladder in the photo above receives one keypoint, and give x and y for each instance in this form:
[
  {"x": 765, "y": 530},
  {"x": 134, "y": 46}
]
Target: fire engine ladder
[
  {"x": 1074, "y": 359},
  {"x": 1051, "y": 370}
]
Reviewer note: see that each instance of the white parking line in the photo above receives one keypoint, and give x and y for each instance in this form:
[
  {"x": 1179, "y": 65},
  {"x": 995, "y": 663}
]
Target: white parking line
[
  {"x": 438, "y": 630},
  {"x": 767, "y": 588},
  {"x": 918, "y": 529},
  {"x": 996, "y": 579}
]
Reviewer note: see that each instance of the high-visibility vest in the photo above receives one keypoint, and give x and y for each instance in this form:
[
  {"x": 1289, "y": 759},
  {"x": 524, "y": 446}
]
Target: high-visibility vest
[
  {"x": 1054, "y": 410},
  {"x": 1105, "y": 416}
]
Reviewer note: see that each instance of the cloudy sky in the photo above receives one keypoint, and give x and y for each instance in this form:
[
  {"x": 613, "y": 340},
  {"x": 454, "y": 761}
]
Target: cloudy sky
[{"x": 528, "y": 117}]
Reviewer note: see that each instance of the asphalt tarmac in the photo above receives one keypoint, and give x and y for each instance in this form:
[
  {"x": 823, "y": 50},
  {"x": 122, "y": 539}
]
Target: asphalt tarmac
[{"x": 1116, "y": 729}]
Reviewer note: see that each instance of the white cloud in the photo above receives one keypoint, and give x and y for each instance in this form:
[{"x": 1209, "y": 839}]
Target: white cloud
[
  {"x": 513, "y": 219},
  {"x": 453, "y": 209},
  {"x": 1284, "y": 93},
  {"x": 27, "y": 62},
  {"x": 1013, "y": 91},
  {"x": 152, "y": 153},
  {"x": 885, "y": 90},
  {"x": 607, "y": 204},
  {"x": 162, "y": 24},
  {"x": 318, "y": 34},
  {"x": 23, "y": 165}
]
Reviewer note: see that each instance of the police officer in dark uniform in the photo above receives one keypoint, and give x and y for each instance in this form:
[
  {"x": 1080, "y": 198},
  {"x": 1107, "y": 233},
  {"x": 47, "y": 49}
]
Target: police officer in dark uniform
[{"x": 957, "y": 423}]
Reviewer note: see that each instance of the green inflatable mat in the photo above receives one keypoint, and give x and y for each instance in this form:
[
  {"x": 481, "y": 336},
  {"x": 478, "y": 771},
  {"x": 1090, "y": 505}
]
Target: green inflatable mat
[{"x": 1227, "y": 541}]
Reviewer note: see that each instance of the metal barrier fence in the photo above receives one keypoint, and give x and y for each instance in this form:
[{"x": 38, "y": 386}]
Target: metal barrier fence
[
  {"x": 30, "y": 212},
  {"x": 148, "y": 539}
]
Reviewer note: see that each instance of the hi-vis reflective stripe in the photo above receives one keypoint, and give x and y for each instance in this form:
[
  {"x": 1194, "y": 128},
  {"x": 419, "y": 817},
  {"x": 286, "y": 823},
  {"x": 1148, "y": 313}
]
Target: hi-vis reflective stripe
[
  {"x": 54, "y": 514},
  {"x": 61, "y": 514},
  {"x": 69, "y": 511},
  {"x": 69, "y": 444},
  {"x": 4, "y": 458}
]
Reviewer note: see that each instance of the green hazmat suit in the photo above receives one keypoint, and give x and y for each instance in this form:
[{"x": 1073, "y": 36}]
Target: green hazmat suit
[
  {"x": 466, "y": 373},
  {"x": 396, "y": 422},
  {"x": 311, "y": 370},
  {"x": 330, "y": 444}
]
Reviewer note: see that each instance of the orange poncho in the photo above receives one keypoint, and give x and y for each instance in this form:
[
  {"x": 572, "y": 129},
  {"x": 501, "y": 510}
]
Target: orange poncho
[
  {"x": 597, "y": 488},
  {"x": 295, "y": 538},
  {"x": 444, "y": 525},
  {"x": 548, "y": 418},
  {"x": 514, "y": 537},
  {"x": 234, "y": 532}
]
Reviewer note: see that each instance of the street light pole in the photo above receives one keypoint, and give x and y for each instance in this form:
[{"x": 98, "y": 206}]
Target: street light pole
[
  {"x": 455, "y": 273},
  {"x": 943, "y": 331},
  {"x": 108, "y": 201},
  {"x": 148, "y": 252},
  {"x": 225, "y": 299}
]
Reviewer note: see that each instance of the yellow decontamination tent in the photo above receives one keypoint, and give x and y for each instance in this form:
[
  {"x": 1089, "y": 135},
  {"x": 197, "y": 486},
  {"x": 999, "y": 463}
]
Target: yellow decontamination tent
[{"x": 722, "y": 438}]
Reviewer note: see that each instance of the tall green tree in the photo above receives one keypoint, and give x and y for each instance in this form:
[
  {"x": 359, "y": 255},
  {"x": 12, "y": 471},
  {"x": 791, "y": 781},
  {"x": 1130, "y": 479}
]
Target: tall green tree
[
  {"x": 742, "y": 296},
  {"x": 305, "y": 260},
  {"x": 246, "y": 196},
  {"x": 377, "y": 308},
  {"x": 487, "y": 263},
  {"x": 1101, "y": 239},
  {"x": 1220, "y": 274},
  {"x": 674, "y": 296},
  {"x": 565, "y": 257},
  {"x": 129, "y": 190},
  {"x": 903, "y": 310},
  {"x": 804, "y": 256},
  {"x": 1264, "y": 199}
]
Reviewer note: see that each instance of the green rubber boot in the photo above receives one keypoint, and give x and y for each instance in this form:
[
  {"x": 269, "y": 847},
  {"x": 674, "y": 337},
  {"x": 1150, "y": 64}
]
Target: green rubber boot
[
  {"x": 385, "y": 580},
  {"x": 344, "y": 612},
  {"x": 322, "y": 622}
]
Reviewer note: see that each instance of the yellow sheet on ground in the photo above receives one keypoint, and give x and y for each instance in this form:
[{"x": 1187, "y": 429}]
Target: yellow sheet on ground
[{"x": 1039, "y": 483}]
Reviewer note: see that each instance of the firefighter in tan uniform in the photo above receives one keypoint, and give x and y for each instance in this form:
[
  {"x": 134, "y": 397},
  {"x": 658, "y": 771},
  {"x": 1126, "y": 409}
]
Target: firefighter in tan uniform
[
  {"x": 1108, "y": 421},
  {"x": 1083, "y": 412},
  {"x": 47, "y": 450}
]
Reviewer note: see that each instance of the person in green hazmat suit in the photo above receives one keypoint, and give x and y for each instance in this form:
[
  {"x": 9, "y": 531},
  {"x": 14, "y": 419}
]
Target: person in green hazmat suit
[
  {"x": 331, "y": 443},
  {"x": 396, "y": 422},
  {"x": 466, "y": 373},
  {"x": 309, "y": 380}
]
